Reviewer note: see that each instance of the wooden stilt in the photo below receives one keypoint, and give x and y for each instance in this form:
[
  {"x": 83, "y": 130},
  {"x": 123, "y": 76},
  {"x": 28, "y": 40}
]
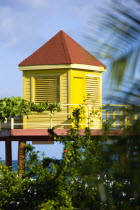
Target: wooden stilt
[
  {"x": 8, "y": 153},
  {"x": 21, "y": 156}
]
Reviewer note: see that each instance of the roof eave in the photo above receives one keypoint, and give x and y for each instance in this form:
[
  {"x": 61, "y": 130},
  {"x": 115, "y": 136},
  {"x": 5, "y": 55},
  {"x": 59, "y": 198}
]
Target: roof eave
[{"x": 63, "y": 66}]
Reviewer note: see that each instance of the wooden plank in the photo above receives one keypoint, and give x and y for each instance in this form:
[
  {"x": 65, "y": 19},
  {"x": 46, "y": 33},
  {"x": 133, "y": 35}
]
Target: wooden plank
[
  {"x": 8, "y": 153},
  {"x": 44, "y": 132},
  {"x": 21, "y": 156}
]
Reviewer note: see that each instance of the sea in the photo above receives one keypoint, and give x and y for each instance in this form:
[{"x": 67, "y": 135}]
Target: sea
[{"x": 14, "y": 164}]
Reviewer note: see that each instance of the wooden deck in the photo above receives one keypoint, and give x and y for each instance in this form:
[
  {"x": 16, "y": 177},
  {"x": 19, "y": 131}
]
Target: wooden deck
[
  {"x": 119, "y": 117},
  {"x": 43, "y": 134}
]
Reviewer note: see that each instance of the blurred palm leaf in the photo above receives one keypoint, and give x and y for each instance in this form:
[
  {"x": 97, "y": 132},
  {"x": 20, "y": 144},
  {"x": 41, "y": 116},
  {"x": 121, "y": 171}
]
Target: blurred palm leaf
[{"x": 116, "y": 38}]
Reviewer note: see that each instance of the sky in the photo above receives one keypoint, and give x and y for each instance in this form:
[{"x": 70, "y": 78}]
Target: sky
[{"x": 25, "y": 25}]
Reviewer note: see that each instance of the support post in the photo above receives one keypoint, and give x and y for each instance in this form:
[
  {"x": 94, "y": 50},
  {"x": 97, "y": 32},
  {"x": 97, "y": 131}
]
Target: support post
[
  {"x": 125, "y": 117},
  {"x": 12, "y": 123},
  {"x": 50, "y": 120},
  {"x": 88, "y": 119},
  {"x": 21, "y": 156},
  {"x": 8, "y": 153},
  {"x": 114, "y": 117}
]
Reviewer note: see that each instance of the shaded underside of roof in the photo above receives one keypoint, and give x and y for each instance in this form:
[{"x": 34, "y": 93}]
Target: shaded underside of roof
[{"x": 61, "y": 49}]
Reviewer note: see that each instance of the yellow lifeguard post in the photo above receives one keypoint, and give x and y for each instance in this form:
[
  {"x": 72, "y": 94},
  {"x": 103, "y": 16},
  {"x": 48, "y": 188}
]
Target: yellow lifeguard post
[{"x": 61, "y": 71}]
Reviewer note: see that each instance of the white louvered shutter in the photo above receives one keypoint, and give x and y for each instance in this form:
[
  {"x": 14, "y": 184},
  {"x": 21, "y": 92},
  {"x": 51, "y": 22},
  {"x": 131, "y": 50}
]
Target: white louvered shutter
[
  {"x": 47, "y": 88},
  {"x": 93, "y": 91}
]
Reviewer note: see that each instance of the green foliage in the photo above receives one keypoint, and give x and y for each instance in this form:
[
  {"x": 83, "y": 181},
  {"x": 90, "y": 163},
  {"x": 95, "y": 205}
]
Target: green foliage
[
  {"x": 45, "y": 106},
  {"x": 54, "y": 107},
  {"x": 16, "y": 106},
  {"x": 78, "y": 116},
  {"x": 94, "y": 173},
  {"x": 40, "y": 187}
]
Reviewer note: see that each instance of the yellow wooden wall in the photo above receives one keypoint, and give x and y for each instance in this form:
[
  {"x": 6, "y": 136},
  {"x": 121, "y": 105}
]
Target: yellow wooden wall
[
  {"x": 70, "y": 80},
  {"x": 28, "y": 94},
  {"x": 76, "y": 98}
]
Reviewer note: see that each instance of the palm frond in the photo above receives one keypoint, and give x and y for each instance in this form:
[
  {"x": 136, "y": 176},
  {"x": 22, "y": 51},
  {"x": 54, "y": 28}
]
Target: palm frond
[{"x": 116, "y": 37}]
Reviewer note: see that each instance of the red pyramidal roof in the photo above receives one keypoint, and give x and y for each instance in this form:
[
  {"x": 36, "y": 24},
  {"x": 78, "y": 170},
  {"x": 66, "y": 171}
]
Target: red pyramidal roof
[{"x": 61, "y": 49}]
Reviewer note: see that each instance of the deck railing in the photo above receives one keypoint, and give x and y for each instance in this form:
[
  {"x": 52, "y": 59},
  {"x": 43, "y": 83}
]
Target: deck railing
[{"x": 119, "y": 116}]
